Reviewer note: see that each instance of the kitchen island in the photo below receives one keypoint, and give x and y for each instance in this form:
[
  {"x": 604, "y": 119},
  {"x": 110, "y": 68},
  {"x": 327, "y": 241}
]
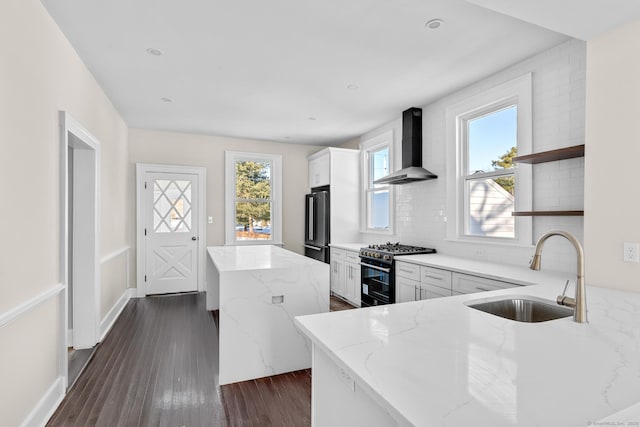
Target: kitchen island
[
  {"x": 441, "y": 363},
  {"x": 258, "y": 291}
]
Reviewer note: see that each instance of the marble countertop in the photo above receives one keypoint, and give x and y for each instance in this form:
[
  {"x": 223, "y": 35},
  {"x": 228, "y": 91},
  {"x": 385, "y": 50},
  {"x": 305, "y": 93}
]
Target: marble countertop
[
  {"x": 440, "y": 363},
  {"x": 349, "y": 246},
  {"x": 520, "y": 275},
  {"x": 255, "y": 257}
]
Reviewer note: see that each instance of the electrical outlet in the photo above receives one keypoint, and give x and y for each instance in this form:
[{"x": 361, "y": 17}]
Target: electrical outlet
[{"x": 631, "y": 252}]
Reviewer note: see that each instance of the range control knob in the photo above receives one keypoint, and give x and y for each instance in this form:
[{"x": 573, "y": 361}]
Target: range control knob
[
  {"x": 386, "y": 257},
  {"x": 377, "y": 255}
]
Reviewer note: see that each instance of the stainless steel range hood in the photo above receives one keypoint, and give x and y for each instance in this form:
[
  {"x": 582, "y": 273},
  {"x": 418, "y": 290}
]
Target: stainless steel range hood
[{"x": 412, "y": 169}]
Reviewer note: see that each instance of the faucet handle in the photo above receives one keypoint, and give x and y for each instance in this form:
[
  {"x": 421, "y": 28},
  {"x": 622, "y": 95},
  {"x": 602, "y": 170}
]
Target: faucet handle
[{"x": 565, "y": 300}]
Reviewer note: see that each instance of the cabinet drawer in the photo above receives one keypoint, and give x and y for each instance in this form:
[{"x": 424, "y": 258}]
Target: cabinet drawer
[
  {"x": 337, "y": 254},
  {"x": 352, "y": 256},
  {"x": 467, "y": 284},
  {"x": 436, "y": 277},
  {"x": 410, "y": 271},
  {"x": 431, "y": 291}
]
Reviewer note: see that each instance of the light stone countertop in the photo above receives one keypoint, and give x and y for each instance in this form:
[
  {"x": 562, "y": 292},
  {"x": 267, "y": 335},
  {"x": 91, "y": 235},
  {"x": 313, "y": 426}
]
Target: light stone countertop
[
  {"x": 440, "y": 363},
  {"x": 255, "y": 257},
  {"x": 520, "y": 275},
  {"x": 349, "y": 246}
]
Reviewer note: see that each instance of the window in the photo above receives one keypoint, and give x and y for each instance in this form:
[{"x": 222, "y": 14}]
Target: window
[
  {"x": 484, "y": 133},
  {"x": 252, "y": 196},
  {"x": 377, "y": 163}
]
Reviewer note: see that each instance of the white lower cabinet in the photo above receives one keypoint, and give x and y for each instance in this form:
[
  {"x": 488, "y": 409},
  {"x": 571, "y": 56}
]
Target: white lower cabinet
[
  {"x": 337, "y": 272},
  {"x": 345, "y": 275},
  {"x": 415, "y": 283},
  {"x": 468, "y": 284}
]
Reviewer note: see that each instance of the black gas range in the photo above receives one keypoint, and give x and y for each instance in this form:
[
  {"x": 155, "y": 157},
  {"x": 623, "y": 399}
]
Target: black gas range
[{"x": 378, "y": 276}]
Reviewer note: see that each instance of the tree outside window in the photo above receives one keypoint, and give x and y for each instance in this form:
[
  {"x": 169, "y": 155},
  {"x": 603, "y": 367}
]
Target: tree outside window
[{"x": 253, "y": 200}]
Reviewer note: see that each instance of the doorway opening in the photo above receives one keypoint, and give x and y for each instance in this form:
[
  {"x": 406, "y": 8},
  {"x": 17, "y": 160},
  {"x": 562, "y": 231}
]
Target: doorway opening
[{"x": 80, "y": 267}]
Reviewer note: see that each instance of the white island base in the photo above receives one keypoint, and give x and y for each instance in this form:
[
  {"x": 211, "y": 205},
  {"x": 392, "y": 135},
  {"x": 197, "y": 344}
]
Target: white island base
[{"x": 258, "y": 291}]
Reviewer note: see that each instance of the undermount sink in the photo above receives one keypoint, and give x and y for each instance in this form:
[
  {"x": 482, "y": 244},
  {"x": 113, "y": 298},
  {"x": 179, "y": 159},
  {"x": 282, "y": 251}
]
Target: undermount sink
[{"x": 521, "y": 308}]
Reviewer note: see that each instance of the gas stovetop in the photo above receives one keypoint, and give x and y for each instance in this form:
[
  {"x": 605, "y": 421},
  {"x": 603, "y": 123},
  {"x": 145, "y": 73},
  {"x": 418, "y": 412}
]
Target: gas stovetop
[{"x": 387, "y": 251}]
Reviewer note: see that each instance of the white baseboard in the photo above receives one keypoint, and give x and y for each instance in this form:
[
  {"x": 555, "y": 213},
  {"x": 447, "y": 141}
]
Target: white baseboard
[
  {"x": 115, "y": 311},
  {"x": 46, "y": 406},
  {"x": 141, "y": 291}
]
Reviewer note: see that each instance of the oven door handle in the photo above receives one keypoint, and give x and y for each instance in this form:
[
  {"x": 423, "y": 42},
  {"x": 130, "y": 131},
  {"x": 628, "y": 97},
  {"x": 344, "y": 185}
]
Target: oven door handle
[{"x": 375, "y": 267}]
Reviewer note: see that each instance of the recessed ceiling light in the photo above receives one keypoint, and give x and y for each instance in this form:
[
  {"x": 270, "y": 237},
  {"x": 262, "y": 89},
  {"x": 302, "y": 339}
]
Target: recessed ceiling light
[
  {"x": 312, "y": 118},
  {"x": 154, "y": 51},
  {"x": 165, "y": 99},
  {"x": 434, "y": 24},
  {"x": 353, "y": 87}
]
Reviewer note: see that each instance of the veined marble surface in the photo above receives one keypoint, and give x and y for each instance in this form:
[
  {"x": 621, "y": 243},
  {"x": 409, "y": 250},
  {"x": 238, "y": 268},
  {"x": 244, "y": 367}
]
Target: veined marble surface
[
  {"x": 259, "y": 290},
  {"x": 349, "y": 246},
  {"x": 440, "y": 363},
  {"x": 520, "y": 275}
]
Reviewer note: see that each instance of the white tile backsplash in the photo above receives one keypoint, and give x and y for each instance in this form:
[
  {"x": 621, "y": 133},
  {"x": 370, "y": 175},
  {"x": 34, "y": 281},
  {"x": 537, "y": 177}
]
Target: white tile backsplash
[{"x": 558, "y": 121}]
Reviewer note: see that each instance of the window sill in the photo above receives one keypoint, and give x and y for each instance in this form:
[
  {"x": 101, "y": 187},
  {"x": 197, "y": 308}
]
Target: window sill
[
  {"x": 491, "y": 243},
  {"x": 255, "y": 243},
  {"x": 377, "y": 231}
]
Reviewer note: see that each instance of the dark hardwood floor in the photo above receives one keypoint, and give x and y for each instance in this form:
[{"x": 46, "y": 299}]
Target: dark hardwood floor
[
  {"x": 157, "y": 367},
  {"x": 337, "y": 304}
]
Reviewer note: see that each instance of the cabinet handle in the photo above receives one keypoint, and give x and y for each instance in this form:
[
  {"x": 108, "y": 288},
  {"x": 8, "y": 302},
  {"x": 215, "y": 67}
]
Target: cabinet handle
[
  {"x": 433, "y": 277},
  {"x": 404, "y": 270},
  {"x": 415, "y": 293},
  {"x": 483, "y": 289},
  {"x": 420, "y": 292}
]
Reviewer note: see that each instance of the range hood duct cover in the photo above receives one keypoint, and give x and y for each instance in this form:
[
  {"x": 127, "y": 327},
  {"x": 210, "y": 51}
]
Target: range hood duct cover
[{"x": 412, "y": 169}]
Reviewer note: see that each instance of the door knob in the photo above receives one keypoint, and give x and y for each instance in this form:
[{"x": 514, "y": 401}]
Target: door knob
[{"x": 194, "y": 238}]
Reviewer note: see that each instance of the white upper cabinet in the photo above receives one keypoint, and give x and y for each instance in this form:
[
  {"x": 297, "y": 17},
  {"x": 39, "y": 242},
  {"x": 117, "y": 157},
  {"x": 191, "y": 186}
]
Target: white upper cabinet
[
  {"x": 339, "y": 168},
  {"x": 320, "y": 170}
]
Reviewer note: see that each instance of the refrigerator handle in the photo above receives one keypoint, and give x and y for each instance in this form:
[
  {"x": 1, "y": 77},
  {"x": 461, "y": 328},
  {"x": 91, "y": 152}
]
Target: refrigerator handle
[{"x": 311, "y": 219}]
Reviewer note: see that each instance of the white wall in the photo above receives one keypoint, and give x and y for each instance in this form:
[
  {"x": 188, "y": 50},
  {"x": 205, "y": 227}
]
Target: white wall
[
  {"x": 40, "y": 74},
  {"x": 612, "y": 200},
  {"x": 558, "y": 121},
  {"x": 208, "y": 151}
]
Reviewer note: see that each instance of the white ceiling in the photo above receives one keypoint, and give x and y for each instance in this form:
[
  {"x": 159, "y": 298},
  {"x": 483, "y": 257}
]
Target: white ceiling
[
  {"x": 582, "y": 19},
  {"x": 280, "y": 69}
]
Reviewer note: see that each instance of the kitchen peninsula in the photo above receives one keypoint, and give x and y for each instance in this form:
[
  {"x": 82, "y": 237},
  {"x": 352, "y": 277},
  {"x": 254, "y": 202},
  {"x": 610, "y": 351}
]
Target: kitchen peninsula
[
  {"x": 258, "y": 291},
  {"x": 441, "y": 363}
]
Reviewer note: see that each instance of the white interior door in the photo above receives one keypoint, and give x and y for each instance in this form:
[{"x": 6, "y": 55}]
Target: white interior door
[{"x": 171, "y": 232}]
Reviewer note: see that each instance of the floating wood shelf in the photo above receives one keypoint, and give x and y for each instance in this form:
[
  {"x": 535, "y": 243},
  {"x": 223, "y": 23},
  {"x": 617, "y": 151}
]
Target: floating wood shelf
[
  {"x": 549, "y": 156},
  {"x": 548, "y": 213}
]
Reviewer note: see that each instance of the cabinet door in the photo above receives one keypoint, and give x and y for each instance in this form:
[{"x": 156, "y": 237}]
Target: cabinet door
[
  {"x": 408, "y": 270},
  {"x": 338, "y": 277},
  {"x": 468, "y": 284},
  {"x": 436, "y": 277},
  {"x": 320, "y": 171},
  {"x": 430, "y": 291},
  {"x": 407, "y": 289},
  {"x": 352, "y": 288}
]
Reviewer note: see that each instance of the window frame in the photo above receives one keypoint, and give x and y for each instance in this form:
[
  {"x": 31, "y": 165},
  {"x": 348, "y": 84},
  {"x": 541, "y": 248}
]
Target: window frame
[
  {"x": 275, "y": 160},
  {"x": 514, "y": 92},
  {"x": 371, "y": 145}
]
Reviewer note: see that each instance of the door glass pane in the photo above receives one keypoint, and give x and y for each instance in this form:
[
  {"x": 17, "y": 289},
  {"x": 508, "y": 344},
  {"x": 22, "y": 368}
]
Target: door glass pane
[
  {"x": 492, "y": 140},
  {"x": 491, "y": 202},
  {"x": 253, "y": 220},
  {"x": 171, "y": 206}
]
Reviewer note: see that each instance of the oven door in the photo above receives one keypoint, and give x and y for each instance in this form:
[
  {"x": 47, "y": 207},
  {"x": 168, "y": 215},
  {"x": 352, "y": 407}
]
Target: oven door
[{"x": 377, "y": 283}]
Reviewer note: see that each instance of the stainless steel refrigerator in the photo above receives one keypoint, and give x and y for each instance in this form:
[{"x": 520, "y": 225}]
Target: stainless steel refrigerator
[{"x": 317, "y": 233}]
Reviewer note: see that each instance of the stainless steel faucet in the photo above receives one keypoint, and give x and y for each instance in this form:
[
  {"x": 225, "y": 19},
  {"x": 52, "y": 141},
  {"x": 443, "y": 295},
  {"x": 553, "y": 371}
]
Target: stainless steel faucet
[{"x": 579, "y": 303}]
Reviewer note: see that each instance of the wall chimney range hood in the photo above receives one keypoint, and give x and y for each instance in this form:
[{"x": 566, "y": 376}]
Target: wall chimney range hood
[{"x": 412, "y": 169}]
